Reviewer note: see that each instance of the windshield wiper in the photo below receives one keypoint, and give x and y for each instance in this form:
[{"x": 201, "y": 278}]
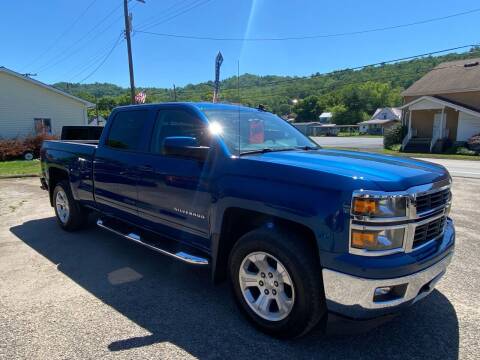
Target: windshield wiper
[
  {"x": 307, "y": 147},
  {"x": 264, "y": 150}
]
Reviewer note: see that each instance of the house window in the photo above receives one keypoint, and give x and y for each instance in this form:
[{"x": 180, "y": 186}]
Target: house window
[{"x": 43, "y": 126}]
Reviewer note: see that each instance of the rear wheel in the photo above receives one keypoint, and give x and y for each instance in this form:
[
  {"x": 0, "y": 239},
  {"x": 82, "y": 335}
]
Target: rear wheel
[
  {"x": 28, "y": 155},
  {"x": 276, "y": 281},
  {"x": 70, "y": 215}
]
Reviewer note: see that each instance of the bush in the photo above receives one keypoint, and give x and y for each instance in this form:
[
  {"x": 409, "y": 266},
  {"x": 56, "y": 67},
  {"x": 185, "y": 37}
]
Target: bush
[
  {"x": 474, "y": 143},
  {"x": 393, "y": 136},
  {"x": 11, "y": 149},
  {"x": 461, "y": 150},
  {"x": 396, "y": 147}
]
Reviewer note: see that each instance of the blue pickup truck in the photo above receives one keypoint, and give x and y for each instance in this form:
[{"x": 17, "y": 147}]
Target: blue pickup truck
[{"x": 302, "y": 233}]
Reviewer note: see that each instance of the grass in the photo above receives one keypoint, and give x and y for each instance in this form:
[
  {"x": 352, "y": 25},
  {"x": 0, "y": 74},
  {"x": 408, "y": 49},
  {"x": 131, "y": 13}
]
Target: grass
[
  {"x": 347, "y": 134},
  {"x": 19, "y": 167},
  {"x": 431, "y": 156}
]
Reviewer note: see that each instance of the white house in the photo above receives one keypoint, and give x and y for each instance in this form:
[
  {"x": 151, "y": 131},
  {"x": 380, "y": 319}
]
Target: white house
[
  {"x": 325, "y": 117},
  {"x": 29, "y": 107},
  {"x": 382, "y": 119},
  {"x": 443, "y": 107}
]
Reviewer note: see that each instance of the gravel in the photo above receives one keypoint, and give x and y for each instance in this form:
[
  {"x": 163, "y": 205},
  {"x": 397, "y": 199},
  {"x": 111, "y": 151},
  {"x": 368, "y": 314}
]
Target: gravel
[{"x": 92, "y": 294}]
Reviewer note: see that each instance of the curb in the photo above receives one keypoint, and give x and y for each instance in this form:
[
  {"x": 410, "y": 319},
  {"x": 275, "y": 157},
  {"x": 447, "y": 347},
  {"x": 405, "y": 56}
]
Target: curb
[{"x": 18, "y": 176}]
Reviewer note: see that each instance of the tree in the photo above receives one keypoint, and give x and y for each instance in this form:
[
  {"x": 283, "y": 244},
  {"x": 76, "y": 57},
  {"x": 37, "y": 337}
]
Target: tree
[
  {"x": 308, "y": 109},
  {"x": 353, "y": 95}
]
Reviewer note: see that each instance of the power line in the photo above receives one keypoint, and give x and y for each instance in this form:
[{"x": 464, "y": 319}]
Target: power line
[
  {"x": 90, "y": 63},
  {"x": 194, "y": 5},
  {"x": 309, "y": 37},
  {"x": 104, "y": 59},
  {"x": 166, "y": 12},
  {"x": 65, "y": 32},
  {"x": 339, "y": 72},
  {"x": 97, "y": 28}
]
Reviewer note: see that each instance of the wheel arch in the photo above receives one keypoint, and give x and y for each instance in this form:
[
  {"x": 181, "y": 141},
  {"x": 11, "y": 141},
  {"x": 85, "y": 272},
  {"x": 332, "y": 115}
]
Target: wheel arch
[
  {"x": 238, "y": 221},
  {"x": 55, "y": 175}
]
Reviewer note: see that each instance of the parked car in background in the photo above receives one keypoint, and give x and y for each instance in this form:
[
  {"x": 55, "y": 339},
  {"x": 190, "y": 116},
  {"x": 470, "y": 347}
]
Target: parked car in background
[{"x": 22, "y": 148}]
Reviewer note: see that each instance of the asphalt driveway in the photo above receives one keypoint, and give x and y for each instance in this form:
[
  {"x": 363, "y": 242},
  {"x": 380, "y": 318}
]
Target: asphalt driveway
[{"x": 94, "y": 295}]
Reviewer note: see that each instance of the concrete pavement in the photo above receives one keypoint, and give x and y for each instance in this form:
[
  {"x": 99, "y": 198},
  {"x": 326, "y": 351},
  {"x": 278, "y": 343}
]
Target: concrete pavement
[
  {"x": 354, "y": 142},
  {"x": 460, "y": 168}
]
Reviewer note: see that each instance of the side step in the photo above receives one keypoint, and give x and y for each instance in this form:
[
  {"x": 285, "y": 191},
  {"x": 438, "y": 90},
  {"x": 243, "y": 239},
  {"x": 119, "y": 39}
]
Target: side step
[{"x": 154, "y": 244}]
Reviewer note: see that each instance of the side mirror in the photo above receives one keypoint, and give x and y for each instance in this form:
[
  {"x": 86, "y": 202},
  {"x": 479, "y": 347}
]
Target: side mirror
[{"x": 184, "y": 146}]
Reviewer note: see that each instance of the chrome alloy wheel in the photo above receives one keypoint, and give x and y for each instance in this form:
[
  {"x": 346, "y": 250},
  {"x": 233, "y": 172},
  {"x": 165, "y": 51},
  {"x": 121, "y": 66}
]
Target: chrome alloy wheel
[
  {"x": 61, "y": 204},
  {"x": 266, "y": 286}
]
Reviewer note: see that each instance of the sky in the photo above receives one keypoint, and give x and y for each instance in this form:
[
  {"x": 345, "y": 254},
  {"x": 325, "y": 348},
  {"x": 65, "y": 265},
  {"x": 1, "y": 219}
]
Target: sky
[{"x": 81, "y": 40}]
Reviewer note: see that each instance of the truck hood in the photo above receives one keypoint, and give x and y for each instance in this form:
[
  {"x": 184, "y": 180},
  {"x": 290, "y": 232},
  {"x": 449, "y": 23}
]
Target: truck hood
[{"x": 388, "y": 173}]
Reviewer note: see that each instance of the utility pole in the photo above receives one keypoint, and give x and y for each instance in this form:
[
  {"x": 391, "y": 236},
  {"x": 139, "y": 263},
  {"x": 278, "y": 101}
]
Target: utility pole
[
  {"x": 96, "y": 109},
  {"x": 128, "y": 30},
  {"x": 174, "y": 93}
]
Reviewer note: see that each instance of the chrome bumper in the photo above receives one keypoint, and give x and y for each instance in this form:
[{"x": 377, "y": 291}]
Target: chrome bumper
[{"x": 354, "y": 296}]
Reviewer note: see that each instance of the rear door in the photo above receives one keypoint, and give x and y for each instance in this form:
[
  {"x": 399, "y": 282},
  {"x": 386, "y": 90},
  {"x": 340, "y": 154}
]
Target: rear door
[
  {"x": 115, "y": 179},
  {"x": 173, "y": 192}
]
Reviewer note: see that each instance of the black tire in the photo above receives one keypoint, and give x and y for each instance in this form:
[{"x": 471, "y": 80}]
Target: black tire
[
  {"x": 28, "y": 156},
  {"x": 299, "y": 259},
  {"x": 77, "y": 217}
]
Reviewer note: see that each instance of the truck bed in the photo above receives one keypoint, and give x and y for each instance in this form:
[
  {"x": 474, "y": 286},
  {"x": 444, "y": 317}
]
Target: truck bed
[{"x": 78, "y": 147}]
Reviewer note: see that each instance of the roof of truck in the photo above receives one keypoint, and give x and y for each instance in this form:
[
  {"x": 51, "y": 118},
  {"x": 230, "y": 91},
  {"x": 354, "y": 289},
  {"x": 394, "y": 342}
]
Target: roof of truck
[{"x": 199, "y": 105}]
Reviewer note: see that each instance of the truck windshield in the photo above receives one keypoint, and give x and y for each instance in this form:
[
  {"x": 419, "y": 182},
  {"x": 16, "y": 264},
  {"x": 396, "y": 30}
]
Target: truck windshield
[{"x": 250, "y": 131}]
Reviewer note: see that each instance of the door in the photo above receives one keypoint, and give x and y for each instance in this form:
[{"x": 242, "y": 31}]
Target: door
[
  {"x": 115, "y": 179},
  {"x": 173, "y": 192},
  {"x": 438, "y": 126}
]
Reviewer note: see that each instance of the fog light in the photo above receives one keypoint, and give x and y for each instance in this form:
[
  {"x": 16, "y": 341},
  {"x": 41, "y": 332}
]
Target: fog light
[
  {"x": 382, "y": 290},
  {"x": 389, "y": 293}
]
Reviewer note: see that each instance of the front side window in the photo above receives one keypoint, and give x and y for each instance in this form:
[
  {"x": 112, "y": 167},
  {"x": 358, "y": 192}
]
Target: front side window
[
  {"x": 250, "y": 130},
  {"x": 126, "y": 130},
  {"x": 173, "y": 122},
  {"x": 43, "y": 126}
]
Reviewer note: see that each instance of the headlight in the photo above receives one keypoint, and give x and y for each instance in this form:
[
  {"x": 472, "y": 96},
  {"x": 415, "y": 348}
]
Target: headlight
[
  {"x": 377, "y": 240},
  {"x": 380, "y": 207}
]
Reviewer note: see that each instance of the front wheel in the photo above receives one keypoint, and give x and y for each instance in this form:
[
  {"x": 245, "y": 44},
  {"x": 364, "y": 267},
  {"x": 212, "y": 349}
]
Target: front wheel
[
  {"x": 70, "y": 215},
  {"x": 277, "y": 282}
]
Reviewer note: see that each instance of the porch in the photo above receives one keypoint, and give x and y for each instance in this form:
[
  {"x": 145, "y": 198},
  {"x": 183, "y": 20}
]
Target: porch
[{"x": 434, "y": 123}]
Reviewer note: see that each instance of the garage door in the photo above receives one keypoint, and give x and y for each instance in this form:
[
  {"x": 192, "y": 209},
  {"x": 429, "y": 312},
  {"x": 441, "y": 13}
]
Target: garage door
[{"x": 468, "y": 125}]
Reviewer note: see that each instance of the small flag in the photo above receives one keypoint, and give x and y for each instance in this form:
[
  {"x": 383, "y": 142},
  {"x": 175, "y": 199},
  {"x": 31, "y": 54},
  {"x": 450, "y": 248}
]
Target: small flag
[{"x": 140, "y": 98}]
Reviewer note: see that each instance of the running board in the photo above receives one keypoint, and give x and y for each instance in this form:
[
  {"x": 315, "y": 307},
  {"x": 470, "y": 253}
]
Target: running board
[{"x": 179, "y": 255}]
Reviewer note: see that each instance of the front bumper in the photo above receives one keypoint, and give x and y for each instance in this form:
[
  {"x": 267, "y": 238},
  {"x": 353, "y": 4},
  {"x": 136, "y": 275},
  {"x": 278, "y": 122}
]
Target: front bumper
[{"x": 353, "y": 296}]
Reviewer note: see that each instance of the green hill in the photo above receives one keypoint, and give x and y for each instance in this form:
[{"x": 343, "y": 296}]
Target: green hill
[{"x": 352, "y": 95}]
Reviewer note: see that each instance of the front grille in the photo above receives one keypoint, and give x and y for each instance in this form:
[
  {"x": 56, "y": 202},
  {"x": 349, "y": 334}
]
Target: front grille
[
  {"x": 432, "y": 201},
  {"x": 429, "y": 231}
]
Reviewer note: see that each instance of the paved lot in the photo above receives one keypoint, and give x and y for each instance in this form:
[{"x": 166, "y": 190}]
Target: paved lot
[
  {"x": 461, "y": 168},
  {"x": 356, "y": 142},
  {"x": 92, "y": 294}
]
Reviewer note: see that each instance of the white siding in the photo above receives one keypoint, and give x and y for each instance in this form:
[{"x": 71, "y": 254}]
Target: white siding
[
  {"x": 468, "y": 125},
  {"x": 22, "y": 101}
]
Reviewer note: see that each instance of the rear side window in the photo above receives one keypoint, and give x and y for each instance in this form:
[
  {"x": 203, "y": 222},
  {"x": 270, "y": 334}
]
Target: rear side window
[
  {"x": 126, "y": 130},
  {"x": 172, "y": 122}
]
